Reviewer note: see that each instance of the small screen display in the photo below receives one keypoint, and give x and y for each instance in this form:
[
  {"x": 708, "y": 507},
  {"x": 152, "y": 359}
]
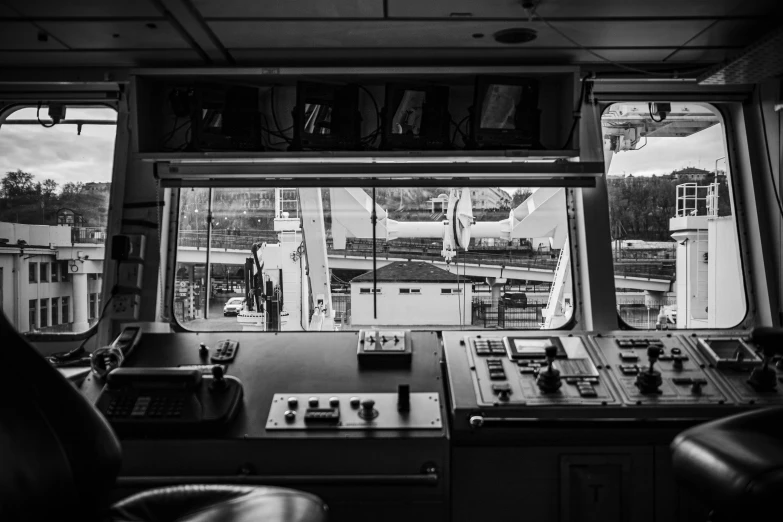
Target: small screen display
[
  {"x": 730, "y": 349},
  {"x": 531, "y": 347},
  {"x": 407, "y": 117},
  {"x": 499, "y": 107}
]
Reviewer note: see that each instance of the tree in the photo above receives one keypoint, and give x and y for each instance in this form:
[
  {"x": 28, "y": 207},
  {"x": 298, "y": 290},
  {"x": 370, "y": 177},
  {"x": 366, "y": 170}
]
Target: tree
[
  {"x": 18, "y": 184},
  {"x": 519, "y": 196},
  {"x": 48, "y": 188},
  {"x": 71, "y": 188}
]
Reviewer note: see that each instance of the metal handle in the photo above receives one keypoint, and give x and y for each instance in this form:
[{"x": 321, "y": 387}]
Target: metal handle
[{"x": 425, "y": 479}]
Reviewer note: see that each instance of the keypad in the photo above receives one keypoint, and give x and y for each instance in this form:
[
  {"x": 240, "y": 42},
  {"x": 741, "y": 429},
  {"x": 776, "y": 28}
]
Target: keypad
[
  {"x": 145, "y": 406},
  {"x": 496, "y": 370},
  {"x": 491, "y": 346}
]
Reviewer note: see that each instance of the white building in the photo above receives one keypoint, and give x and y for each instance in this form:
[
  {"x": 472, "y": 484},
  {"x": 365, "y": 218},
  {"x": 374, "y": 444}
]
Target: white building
[
  {"x": 411, "y": 293},
  {"x": 48, "y": 283},
  {"x": 490, "y": 198}
]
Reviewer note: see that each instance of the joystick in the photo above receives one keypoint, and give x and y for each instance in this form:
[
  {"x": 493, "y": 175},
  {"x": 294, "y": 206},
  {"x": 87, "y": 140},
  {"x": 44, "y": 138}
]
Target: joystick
[
  {"x": 218, "y": 381},
  {"x": 649, "y": 380},
  {"x": 549, "y": 380},
  {"x": 764, "y": 378}
]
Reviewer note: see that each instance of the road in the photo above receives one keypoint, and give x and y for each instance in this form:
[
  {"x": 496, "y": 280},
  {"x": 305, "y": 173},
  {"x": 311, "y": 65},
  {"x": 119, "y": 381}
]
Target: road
[{"x": 216, "y": 322}]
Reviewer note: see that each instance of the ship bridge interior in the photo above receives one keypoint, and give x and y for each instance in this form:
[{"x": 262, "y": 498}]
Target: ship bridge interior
[{"x": 350, "y": 260}]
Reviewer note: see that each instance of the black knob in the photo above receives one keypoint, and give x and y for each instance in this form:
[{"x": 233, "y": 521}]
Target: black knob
[
  {"x": 217, "y": 373},
  {"x": 203, "y": 350},
  {"x": 403, "y": 397},
  {"x": 550, "y": 352},
  {"x": 368, "y": 404},
  {"x": 653, "y": 352}
]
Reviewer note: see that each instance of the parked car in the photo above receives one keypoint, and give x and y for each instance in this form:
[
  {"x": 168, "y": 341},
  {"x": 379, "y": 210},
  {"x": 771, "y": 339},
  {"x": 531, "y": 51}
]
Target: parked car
[{"x": 234, "y": 306}]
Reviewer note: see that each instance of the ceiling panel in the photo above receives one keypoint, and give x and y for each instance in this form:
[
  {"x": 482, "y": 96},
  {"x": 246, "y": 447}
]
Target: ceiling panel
[
  {"x": 385, "y": 33},
  {"x": 24, "y": 36},
  {"x": 580, "y": 8},
  {"x": 290, "y": 8},
  {"x": 130, "y": 35},
  {"x": 504, "y": 56},
  {"x": 139, "y": 58},
  {"x": 740, "y": 33},
  {"x": 84, "y": 8}
]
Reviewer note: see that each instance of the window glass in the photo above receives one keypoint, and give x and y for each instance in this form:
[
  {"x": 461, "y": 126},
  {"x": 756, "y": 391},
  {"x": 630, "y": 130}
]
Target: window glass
[
  {"x": 55, "y": 311},
  {"x": 66, "y": 310},
  {"x": 44, "y": 313},
  {"x": 33, "y": 321},
  {"x": 316, "y": 256},
  {"x": 54, "y": 196},
  {"x": 674, "y": 233}
]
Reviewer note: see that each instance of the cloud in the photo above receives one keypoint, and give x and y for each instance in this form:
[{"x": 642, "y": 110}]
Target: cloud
[
  {"x": 664, "y": 155},
  {"x": 59, "y": 153}
]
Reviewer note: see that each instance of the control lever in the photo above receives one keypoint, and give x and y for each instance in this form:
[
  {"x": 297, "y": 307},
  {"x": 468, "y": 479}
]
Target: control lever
[
  {"x": 764, "y": 378},
  {"x": 403, "y": 398},
  {"x": 649, "y": 380},
  {"x": 218, "y": 381},
  {"x": 549, "y": 380}
]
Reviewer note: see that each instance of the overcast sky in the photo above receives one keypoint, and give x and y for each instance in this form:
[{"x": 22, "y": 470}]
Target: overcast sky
[
  {"x": 62, "y": 155},
  {"x": 59, "y": 153}
]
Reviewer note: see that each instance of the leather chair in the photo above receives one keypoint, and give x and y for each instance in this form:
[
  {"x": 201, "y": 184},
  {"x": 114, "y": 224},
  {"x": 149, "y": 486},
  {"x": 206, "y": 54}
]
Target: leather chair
[
  {"x": 59, "y": 459},
  {"x": 735, "y": 464}
]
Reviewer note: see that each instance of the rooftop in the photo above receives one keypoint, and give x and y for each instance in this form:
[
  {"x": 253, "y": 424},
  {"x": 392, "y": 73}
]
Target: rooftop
[{"x": 408, "y": 272}]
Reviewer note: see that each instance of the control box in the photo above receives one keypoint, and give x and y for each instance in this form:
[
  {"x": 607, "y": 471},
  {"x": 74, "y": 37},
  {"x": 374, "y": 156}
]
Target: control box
[
  {"x": 384, "y": 348},
  {"x": 506, "y": 372},
  {"x": 682, "y": 378},
  {"x": 736, "y": 360},
  {"x": 368, "y": 411}
]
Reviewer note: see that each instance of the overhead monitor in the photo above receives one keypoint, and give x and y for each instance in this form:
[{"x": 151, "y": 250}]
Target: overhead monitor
[
  {"x": 224, "y": 118},
  {"x": 416, "y": 117},
  {"x": 326, "y": 117},
  {"x": 505, "y": 113}
]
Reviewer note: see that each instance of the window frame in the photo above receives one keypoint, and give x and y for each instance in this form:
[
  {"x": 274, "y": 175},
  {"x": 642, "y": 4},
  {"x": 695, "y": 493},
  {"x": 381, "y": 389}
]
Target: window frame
[
  {"x": 92, "y": 100},
  {"x": 720, "y": 110},
  {"x": 173, "y": 226}
]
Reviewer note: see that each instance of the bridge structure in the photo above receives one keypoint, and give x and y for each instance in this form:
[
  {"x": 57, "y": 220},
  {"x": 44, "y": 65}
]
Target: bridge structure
[{"x": 519, "y": 263}]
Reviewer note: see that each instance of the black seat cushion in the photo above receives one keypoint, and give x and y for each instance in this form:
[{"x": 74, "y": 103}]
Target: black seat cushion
[
  {"x": 218, "y": 504},
  {"x": 734, "y": 464}
]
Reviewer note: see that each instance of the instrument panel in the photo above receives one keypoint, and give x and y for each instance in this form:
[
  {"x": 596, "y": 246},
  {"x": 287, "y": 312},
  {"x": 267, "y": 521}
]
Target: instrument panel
[{"x": 511, "y": 377}]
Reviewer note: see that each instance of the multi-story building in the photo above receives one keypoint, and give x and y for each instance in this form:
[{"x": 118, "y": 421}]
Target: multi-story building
[{"x": 47, "y": 281}]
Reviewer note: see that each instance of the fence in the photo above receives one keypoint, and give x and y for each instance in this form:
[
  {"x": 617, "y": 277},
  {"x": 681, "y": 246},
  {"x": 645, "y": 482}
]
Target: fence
[
  {"x": 494, "y": 313},
  {"x": 342, "y": 308},
  {"x": 89, "y": 235}
]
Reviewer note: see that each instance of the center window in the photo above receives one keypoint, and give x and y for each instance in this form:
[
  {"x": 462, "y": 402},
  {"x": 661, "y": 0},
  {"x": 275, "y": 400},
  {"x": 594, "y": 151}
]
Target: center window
[{"x": 348, "y": 258}]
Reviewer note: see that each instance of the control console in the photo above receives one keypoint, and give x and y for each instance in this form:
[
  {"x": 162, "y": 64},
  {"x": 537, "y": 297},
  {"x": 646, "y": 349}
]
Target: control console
[{"x": 512, "y": 371}]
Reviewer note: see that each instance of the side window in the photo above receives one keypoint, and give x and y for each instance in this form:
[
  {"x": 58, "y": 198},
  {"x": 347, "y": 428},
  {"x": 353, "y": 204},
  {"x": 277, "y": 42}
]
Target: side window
[
  {"x": 674, "y": 234},
  {"x": 55, "y": 180}
]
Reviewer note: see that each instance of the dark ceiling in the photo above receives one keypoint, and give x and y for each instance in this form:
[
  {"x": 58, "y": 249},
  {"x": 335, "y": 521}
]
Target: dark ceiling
[{"x": 130, "y": 33}]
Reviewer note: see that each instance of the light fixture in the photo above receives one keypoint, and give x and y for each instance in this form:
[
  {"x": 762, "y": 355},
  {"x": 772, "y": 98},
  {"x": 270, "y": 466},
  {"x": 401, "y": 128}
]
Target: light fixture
[{"x": 515, "y": 35}]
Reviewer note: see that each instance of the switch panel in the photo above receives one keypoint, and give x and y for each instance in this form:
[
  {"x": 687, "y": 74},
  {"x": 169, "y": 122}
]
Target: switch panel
[
  {"x": 502, "y": 380},
  {"x": 683, "y": 378},
  {"x": 372, "y": 411}
]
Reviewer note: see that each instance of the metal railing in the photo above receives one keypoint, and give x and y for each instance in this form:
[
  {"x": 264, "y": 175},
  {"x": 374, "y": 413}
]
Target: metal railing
[
  {"x": 521, "y": 256},
  {"x": 697, "y": 200},
  {"x": 90, "y": 235},
  {"x": 497, "y": 313}
]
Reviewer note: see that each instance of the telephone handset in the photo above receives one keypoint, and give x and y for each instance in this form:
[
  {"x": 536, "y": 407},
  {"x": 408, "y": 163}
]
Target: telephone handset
[{"x": 143, "y": 400}]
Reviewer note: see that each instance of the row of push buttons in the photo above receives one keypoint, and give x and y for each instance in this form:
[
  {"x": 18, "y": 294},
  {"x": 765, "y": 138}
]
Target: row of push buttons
[
  {"x": 145, "y": 406},
  {"x": 639, "y": 343},
  {"x": 585, "y": 385},
  {"x": 496, "y": 371},
  {"x": 334, "y": 402},
  {"x": 489, "y": 347}
]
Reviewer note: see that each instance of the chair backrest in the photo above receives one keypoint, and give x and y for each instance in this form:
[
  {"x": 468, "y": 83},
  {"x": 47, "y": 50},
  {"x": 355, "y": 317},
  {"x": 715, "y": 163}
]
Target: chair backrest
[{"x": 59, "y": 457}]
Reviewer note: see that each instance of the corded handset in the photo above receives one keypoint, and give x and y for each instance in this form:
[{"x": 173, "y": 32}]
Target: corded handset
[
  {"x": 142, "y": 400},
  {"x": 103, "y": 360}
]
